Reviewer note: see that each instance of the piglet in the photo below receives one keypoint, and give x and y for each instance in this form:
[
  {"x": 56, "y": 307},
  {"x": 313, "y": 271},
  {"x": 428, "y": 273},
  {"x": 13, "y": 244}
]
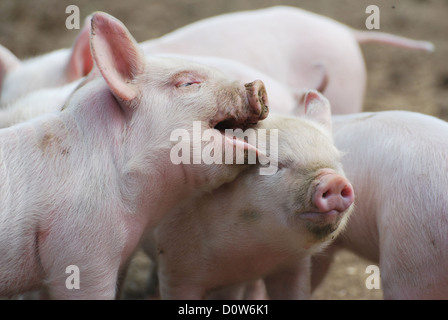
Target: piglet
[
  {"x": 260, "y": 226},
  {"x": 80, "y": 186}
]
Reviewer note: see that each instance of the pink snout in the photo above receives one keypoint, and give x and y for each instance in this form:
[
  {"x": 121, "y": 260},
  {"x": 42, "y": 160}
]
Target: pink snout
[
  {"x": 333, "y": 193},
  {"x": 258, "y": 99}
]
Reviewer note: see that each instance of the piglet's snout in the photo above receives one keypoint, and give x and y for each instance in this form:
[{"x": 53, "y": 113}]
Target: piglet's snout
[
  {"x": 257, "y": 98},
  {"x": 334, "y": 192}
]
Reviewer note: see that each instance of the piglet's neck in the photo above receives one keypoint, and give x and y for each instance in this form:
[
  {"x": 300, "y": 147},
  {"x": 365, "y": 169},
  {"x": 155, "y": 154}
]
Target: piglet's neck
[
  {"x": 154, "y": 190},
  {"x": 98, "y": 115}
]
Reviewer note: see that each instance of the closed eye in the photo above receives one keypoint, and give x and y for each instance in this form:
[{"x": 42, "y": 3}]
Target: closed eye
[{"x": 187, "y": 84}]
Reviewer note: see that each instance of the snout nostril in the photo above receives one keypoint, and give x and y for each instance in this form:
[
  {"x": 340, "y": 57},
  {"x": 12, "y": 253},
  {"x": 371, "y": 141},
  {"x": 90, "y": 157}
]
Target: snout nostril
[
  {"x": 346, "y": 192},
  {"x": 334, "y": 193}
]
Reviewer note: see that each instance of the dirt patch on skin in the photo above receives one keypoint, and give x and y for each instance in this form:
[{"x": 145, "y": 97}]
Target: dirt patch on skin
[{"x": 397, "y": 78}]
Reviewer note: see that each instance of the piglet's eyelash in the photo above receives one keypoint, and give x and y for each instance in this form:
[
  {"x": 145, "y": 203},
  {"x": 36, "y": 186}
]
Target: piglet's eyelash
[{"x": 186, "y": 84}]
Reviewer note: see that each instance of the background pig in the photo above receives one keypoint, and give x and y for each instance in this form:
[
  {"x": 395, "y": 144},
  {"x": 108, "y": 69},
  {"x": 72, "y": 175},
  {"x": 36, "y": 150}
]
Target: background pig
[
  {"x": 269, "y": 226},
  {"x": 17, "y": 78},
  {"x": 80, "y": 186},
  {"x": 397, "y": 163},
  {"x": 36, "y": 103},
  {"x": 286, "y": 43}
]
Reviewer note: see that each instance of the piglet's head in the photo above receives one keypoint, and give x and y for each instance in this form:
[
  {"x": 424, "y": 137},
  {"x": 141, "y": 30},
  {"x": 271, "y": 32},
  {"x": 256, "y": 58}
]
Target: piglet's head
[
  {"x": 309, "y": 193},
  {"x": 132, "y": 76},
  {"x": 158, "y": 95}
]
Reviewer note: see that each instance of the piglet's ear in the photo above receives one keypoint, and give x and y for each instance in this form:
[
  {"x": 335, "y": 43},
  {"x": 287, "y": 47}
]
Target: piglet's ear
[
  {"x": 317, "y": 108},
  {"x": 117, "y": 55},
  {"x": 8, "y": 62},
  {"x": 80, "y": 62}
]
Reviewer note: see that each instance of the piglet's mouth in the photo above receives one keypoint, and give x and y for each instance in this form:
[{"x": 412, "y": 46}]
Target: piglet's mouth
[
  {"x": 230, "y": 133},
  {"x": 329, "y": 217},
  {"x": 231, "y": 137},
  {"x": 235, "y": 138},
  {"x": 234, "y": 124}
]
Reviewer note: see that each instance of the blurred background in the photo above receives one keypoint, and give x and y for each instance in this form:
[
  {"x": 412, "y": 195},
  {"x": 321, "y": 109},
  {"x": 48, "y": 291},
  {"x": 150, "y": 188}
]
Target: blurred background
[{"x": 397, "y": 78}]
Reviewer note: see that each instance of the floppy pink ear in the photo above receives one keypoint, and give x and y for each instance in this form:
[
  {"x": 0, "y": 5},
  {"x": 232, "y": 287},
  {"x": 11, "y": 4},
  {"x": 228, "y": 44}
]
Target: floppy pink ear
[
  {"x": 8, "y": 62},
  {"x": 81, "y": 61},
  {"x": 317, "y": 107},
  {"x": 117, "y": 55}
]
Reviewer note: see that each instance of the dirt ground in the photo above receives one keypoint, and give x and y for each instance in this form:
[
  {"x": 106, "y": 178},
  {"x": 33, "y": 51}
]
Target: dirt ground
[{"x": 397, "y": 78}]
